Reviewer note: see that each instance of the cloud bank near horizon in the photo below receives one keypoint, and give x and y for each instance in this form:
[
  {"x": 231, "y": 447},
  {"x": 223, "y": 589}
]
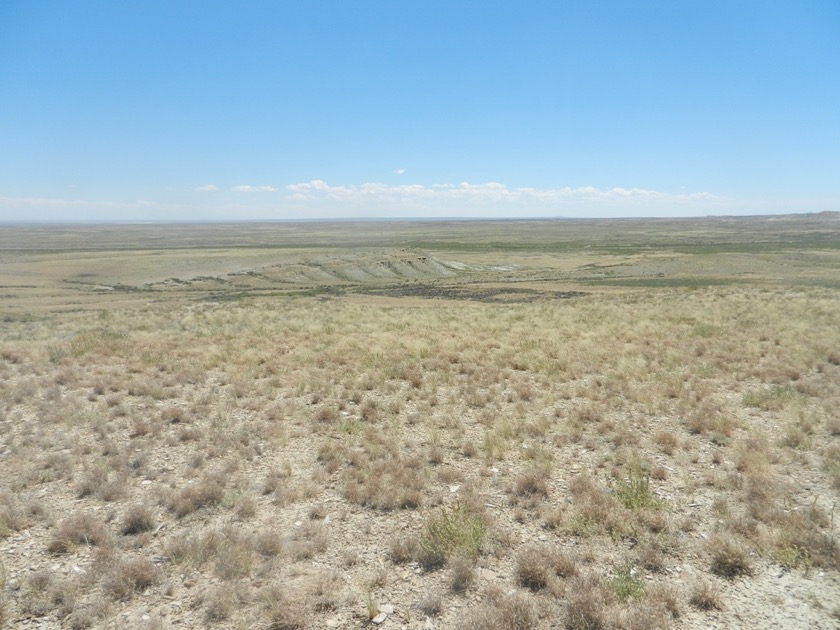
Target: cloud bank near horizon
[
  {"x": 493, "y": 198},
  {"x": 317, "y": 199}
]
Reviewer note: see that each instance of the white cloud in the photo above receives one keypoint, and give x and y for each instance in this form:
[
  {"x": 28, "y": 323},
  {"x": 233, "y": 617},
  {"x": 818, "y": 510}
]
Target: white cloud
[
  {"x": 315, "y": 184},
  {"x": 318, "y": 199},
  {"x": 252, "y": 189},
  {"x": 399, "y": 171},
  {"x": 207, "y": 188},
  {"x": 495, "y": 199}
]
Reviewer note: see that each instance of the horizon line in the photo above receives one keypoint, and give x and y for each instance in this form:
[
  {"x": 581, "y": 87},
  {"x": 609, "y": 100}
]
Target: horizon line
[{"x": 420, "y": 219}]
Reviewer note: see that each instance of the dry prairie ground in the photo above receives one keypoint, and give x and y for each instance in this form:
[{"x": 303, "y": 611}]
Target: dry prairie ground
[{"x": 478, "y": 425}]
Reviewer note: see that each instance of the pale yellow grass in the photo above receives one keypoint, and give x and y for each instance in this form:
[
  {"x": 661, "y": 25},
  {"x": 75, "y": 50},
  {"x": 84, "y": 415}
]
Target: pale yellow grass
[{"x": 301, "y": 460}]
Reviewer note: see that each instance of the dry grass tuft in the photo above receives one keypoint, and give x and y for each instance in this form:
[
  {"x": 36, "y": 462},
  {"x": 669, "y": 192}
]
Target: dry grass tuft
[
  {"x": 219, "y": 603},
  {"x": 729, "y": 558},
  {"x": 667, "y": 442},
  {"x": 452, "y": 532},
  {"x": 705, "y": 595},
  {"x": 325, "y": 591},
  {"x": 103, "y": 484},
  {"x": 46, "y": 593},
  {"x": 13, "y": 516},
  {"x": 587, "y": 604},
  {"x": 594, "y": 510},
  {"x": 650, "y": 556},
  {"x": 235, "y": 557},
  {"x": 504, "y": 611},
  {"x": 537, "y": 567},
  {"x": 430, "y": 604},
  {"x": 402, "y": 549},
  {"x": 130, "y": 576},
  {"x": 308, "y": 540},
  {"x": 285, "y": 610},
  {"x": 79, "y": 529},
  {"x": 386, "y": 484},
  {"x": 206, "y": 493},
  {"x": 138, "y": 518},
  {"x": 531, "y": 486},
  {"x": 462, "y": 574},
  {"x": 667, "y": 596}
]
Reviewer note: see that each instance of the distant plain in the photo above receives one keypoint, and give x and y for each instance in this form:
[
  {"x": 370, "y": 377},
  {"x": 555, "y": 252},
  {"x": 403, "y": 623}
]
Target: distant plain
[{"x": 448, "y": 424}]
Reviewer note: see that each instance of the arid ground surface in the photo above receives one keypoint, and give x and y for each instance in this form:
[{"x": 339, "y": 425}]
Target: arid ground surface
[{"x": 479, "y": 424}]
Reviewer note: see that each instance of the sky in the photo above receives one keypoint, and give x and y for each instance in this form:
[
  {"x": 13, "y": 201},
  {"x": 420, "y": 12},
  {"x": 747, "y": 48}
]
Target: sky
[{"x": 147, "y": 110}]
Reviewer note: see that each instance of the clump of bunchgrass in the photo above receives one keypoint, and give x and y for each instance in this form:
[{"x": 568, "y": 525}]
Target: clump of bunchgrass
[
  {"x": 627, "y": 584},
  {"x": 634, "y": 489},
  {"x": 12, "y": 515},
  {"x": 503, "y": 611},
  {"x": 668, "y": 597},
  {"x": 308, "y": 540},
  {"x": 207, "y": 492},
  {"x": 729, "y": 558},
  {"x": 594, "y": 510},
  {"x": 129, "y": 576},
  {"x": 430, "y": 604},
  {"x": 402, "y": 549},
  {"x": 705, "y": 595},
  {"x": 386, "y": 484},
  {"x": 452, "y": 532},
  {"x": 587, "y": 604},
  {"x": 538, "y": 566},
  {"x": 324, "y": 592},
  {"x": 531, "y": 486},
  {"x": 78, "y": 529},
  {"x": 138, "y": 518},
  {"x": 667, "y": 442},
  {"x": 462, "y": 574}
]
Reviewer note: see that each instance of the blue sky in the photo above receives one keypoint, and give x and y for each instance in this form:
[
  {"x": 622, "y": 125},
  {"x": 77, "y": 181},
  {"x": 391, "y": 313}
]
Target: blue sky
[{"x": 183, "y": 109}]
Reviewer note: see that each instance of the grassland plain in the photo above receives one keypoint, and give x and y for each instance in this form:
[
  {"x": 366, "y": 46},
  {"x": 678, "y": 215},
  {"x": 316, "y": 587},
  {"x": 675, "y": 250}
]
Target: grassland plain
[{"x": 482, "y": 425}]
